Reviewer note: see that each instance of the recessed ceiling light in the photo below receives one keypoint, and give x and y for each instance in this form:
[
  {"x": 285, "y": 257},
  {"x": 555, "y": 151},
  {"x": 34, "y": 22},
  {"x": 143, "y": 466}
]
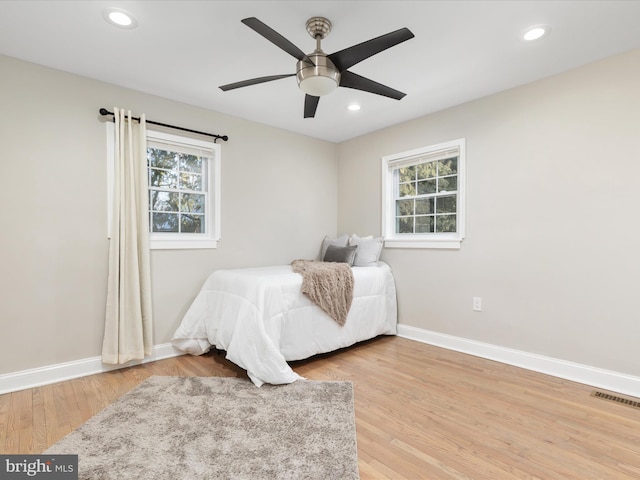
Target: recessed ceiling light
[
  {"x": 536, "y": 32},
  {"x": 119, "y": 18},
  {"x": 354, "y": 107}
]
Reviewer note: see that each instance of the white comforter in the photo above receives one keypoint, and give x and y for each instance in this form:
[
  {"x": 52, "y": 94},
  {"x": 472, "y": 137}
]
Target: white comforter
[{"x": 262, "y": 320}]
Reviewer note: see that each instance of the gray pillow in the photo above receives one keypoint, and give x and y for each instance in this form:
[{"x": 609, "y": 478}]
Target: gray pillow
[
  {"x": 340, "y": 254},
  {"x": 369, "y": 250},
  {"x": 341, "y": 241}
]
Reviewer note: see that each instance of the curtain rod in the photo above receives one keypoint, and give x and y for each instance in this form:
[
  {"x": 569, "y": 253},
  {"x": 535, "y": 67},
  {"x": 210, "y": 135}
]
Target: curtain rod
[{"x": 104, "y": 111}]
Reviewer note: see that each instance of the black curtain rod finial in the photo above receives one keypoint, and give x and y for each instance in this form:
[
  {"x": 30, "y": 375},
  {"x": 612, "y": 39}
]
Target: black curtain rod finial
[{"x": 104, "y": 111}]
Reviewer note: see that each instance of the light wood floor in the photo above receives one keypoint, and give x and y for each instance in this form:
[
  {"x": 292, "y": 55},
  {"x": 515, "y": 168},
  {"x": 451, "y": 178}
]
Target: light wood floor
[{"x": 421, "y": 413}]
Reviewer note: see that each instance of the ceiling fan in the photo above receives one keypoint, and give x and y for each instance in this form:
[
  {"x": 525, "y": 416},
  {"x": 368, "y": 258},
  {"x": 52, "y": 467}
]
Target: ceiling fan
[{"x": 318, "y": 73}]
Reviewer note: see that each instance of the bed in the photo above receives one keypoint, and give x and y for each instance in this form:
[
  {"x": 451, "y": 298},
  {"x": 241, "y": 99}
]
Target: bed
[{"x": 262, "y": 320}]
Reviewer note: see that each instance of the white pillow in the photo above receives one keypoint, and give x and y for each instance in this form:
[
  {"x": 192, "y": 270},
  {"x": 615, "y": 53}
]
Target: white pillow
[
  {"x": 341, "y": 241},
  {"x": 368, "y": 252}
]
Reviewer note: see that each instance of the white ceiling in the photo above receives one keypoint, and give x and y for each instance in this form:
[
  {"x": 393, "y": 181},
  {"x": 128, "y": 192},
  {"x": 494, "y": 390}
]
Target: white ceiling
[{"x": 184, "y": 50}]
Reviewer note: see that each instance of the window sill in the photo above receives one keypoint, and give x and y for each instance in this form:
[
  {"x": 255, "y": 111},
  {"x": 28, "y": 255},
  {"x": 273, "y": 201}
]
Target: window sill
[
  {"x": 182, "y": 244},
  {"x": 445, "y": 243}
]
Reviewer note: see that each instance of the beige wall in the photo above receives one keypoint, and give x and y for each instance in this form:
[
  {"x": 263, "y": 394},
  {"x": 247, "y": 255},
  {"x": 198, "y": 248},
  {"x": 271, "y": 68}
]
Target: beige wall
[
  {"x": 553, "y": 173},
  {"x": 53, "y": 245}
]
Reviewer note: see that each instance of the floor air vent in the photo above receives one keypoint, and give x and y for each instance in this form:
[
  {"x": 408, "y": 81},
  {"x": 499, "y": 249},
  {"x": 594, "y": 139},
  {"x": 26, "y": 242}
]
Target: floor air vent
[{"x": 615, "y": 398}]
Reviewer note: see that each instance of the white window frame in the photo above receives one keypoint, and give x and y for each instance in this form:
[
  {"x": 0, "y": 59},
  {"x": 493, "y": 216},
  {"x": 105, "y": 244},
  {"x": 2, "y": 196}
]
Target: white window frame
[
  {"x": 169, "y": 241},
  {"x": 390, "y": 163}
]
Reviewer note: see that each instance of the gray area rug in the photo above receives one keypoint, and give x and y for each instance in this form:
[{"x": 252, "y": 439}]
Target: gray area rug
[{"x": 172, "y": 428}]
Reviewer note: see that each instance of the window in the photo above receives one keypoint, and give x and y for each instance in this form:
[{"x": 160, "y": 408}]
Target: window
[
  {"x": 423, "y": 197},
  {"x": 184, "y": 190}
]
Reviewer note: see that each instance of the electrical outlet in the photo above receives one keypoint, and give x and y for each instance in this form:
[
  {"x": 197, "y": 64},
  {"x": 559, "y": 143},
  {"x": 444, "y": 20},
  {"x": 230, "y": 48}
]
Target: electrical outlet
[{"x": 477, "y": 304}]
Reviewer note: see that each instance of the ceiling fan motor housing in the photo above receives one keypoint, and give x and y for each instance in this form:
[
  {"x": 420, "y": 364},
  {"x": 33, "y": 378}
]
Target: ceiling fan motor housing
[{"x": 319, "y": 79}]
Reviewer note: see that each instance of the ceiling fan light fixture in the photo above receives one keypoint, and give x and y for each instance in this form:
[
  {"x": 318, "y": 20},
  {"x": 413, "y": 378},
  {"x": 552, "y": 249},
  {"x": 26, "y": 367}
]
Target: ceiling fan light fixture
[{"x": 318, "y": 86}]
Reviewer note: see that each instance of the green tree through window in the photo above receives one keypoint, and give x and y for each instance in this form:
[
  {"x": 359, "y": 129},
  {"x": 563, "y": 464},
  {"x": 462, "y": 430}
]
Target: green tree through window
[
  {"x": 426, "y": 198},
  {"x": 177, "y": 191}
]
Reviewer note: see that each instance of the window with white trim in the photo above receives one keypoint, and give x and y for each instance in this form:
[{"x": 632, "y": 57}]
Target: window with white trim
[
  {"x": 423, "y": 197},
  {"x": 184, "y": 191}
]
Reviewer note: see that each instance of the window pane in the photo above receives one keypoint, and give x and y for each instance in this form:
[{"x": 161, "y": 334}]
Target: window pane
[
  {"x": 426, "y": 186},
  {"x": 192, "y": 203},
  {"x": 164, "y": 222},
  {"x": 192, "y": 223},
  {"x": 407, "y": 189},
  {"x": 446, "y": 223},
  {"x": 426, "y": 170},
  {"x": 404, "y": 207},
  {"x": 448, "y": 184},
  {"x": 448, "y": 166},
  {"x": 424, "y": 224},
  {"x": 190, "y": 163},
  {"x": 164, "y": 201},
  {"x": 404, "y": 225},
  {"x": 163, "y": 178},
  {"x": 190, "y": 181},
  {"x": 424, "y": 206},
  {"x": 446, "y": 204},
  {"x": 406, "y": 174},
  {"x": 161, "y": 158}
]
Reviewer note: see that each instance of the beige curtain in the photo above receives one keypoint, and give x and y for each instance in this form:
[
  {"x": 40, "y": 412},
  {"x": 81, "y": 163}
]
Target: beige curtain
[{"x": 128, "y": 333}]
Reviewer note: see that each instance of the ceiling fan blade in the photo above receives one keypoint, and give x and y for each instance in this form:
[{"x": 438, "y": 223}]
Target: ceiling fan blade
[
  {"x": 357, "y": 82},
  {"x": 275, "y": 38},
  {"x": 254, "y": 81},
  {"x": 350, "y": 56},
  {"x": 310, "y": 106}
]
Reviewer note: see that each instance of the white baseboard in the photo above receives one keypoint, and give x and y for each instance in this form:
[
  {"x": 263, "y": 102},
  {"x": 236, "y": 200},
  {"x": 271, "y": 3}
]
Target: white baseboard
[
  {"x": 576, "y": 372},
  {"x": 35, "y": 377}
]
